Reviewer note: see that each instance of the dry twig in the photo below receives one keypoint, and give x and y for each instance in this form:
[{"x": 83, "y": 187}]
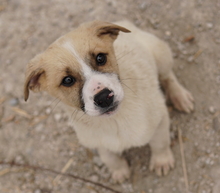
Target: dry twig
[
  {"x": 33, "y": 167},
  {"x": 21, "y": 112},
  {"x": 197, "y": 54},
  {"x": 65, "y": 168},
  {"x": 183, "y": 160}
]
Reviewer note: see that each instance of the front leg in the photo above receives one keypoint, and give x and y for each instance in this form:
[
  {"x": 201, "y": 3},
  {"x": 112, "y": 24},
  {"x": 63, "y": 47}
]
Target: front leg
[
  {"x": 161, "y": 155},
  {"x": 116, "y": 164}
]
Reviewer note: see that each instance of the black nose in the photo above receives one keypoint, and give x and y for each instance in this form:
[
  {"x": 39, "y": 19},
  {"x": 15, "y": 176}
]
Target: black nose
[{"x": 104, "y": 98}]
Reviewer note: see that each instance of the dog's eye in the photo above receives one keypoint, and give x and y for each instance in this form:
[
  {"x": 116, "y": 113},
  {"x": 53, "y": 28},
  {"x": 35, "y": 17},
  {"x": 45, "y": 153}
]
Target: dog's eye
[
  {"x": 68, "y": 81},
  {"x": 101, "y": 59}
]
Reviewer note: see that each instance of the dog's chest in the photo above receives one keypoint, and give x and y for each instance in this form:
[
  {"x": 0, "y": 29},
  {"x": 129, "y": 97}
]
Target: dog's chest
[{"x": 116, "y": 134}]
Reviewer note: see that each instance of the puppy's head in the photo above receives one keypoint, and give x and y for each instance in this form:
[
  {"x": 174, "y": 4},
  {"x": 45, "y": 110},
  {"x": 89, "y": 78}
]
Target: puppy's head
[{"x": 80, "y": 69}]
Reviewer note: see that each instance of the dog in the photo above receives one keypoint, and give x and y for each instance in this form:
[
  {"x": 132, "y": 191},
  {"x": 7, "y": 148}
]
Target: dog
[{"x": 110, "y": 83}]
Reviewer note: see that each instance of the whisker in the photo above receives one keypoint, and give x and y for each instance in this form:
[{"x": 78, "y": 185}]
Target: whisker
[
  {"x": 128, "y": 87},
  {"x": 132, "y": 79},
  {"x": 95, "y": 47},
  {"x": 124, "y": 54},
  {"x": 110, "y": 107},
  {"x": 54, "y": 106},
  {"x": 75, "y": 112},
  {"x": 81, "y": 116}
]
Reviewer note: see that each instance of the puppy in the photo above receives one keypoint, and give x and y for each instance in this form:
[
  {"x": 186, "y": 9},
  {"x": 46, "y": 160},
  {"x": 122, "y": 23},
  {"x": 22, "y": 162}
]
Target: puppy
[{"x": 111, "y": 85}]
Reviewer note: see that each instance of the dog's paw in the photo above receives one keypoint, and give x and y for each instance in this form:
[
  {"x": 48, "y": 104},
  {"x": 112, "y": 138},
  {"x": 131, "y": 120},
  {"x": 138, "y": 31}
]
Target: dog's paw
[
  {"x": 121, "y": 174},
  {"x": 162, "y": 163},
  {"x": 182, "y": 99}
]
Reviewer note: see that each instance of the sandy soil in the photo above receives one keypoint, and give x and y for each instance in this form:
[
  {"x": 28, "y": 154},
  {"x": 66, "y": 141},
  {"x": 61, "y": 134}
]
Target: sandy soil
[{"x": 37, "y": 132}]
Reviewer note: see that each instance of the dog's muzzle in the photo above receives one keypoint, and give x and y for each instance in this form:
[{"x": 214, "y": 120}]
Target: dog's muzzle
[
  {"x": 104, "y": 101},
  {"x": 104, "y": 98}
]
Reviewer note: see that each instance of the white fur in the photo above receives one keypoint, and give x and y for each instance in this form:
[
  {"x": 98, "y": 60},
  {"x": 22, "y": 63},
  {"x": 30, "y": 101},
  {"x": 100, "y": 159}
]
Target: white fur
[
  {"x": 109, "y": 81},
  {"x": 142, "y": 116},
  {"x": 141, "y": 110},
  {"x": 95, "y": 79},
  {"x": 87, "y": 71}
]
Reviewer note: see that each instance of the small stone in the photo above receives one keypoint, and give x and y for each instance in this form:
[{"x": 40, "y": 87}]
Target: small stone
[
  {"x": 48, "y": 111},
  {"x": 168, "y": 33},
  {"x": 190, "y": 59},
  {"x": 143, "y": 6},
  {"x": 19, "y": 159},
  {"x": 180, "y": 46},
  {"x": 143, "y": 168},
  {"x": 97, "y": 161},
  {"x": 9, "y": 87},
  {"x": 37, "y": 191},
  {"x": 13, "y": 102},
  {"x": 216, "y": 124},
  {"x": 57, "y": 117},
  {"x": 8, "y": 61},
  {"x": 211, "y": 109},
  {"x": 217, "y": 40},
  {"x": 209, "y": 25},
  {"x": 39, "y": 127},
  {"x": 36, "y": 113},
  {"x": 184, "y": 52},
  {"x": 92, "y": 191},
  {"x": 94, "y": 178},
  {"x": 181, "y": 67},
  {"x": 175, "y": 55},
  {"x": 218, "y": 79}
]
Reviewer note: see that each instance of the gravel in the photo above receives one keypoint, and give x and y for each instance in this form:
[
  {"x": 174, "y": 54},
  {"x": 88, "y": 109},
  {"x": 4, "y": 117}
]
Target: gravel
[{"x": 45, "y": 139}]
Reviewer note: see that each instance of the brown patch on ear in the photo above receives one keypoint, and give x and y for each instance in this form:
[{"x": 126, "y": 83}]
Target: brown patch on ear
[
  {"x": 105, "y": 28},
  {"x": 35, "y": 80}
]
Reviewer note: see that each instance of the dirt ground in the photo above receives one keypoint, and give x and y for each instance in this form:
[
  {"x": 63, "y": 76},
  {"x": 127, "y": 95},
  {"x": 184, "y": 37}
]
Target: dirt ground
[{"x": 37, "y": 132}]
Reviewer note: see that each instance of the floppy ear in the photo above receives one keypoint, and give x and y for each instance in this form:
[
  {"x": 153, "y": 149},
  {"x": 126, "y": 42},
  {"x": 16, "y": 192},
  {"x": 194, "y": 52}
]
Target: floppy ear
[
  {"x": 104, "y": 29},
  {"x": 35, "y": 78}
]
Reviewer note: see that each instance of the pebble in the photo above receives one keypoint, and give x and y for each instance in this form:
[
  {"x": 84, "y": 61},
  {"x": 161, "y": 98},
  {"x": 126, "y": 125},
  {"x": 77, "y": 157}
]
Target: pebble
[
  {"x": 13, "y": 102},
  {"x": 9, "y": 87},
  {"x": 48, "y": 111},
  {"x": 143, "y": 6},
  {"x": 184, "y": 52},
  {"x": 37, "y": 191},
  {"x": 190, "y": 59},
  {"x": 97, "y": 161},
  {"x": 19, "y": 159},
  {"x": 94, "y": 178},
  {"x": 216, "y": 124},
  {"x": 8, "y": 61},
  {"x": 57, "y": 117},
  {"x": 36, "y": 113},
  {"x": 181, "y": 67},
  {"x": 168, "y": 33},
  {"x": 39, "y": 127},
  {"x": 180, "y": 46},
  {"x": 217, "y": 40},
  {"x": 218, "y": 79},
  {"x": 211, "y": 109},
  {"x": 209, "y": 25}
]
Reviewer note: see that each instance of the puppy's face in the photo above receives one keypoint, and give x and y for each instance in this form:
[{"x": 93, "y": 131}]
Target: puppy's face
[{"x": 80, "y": 69}]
